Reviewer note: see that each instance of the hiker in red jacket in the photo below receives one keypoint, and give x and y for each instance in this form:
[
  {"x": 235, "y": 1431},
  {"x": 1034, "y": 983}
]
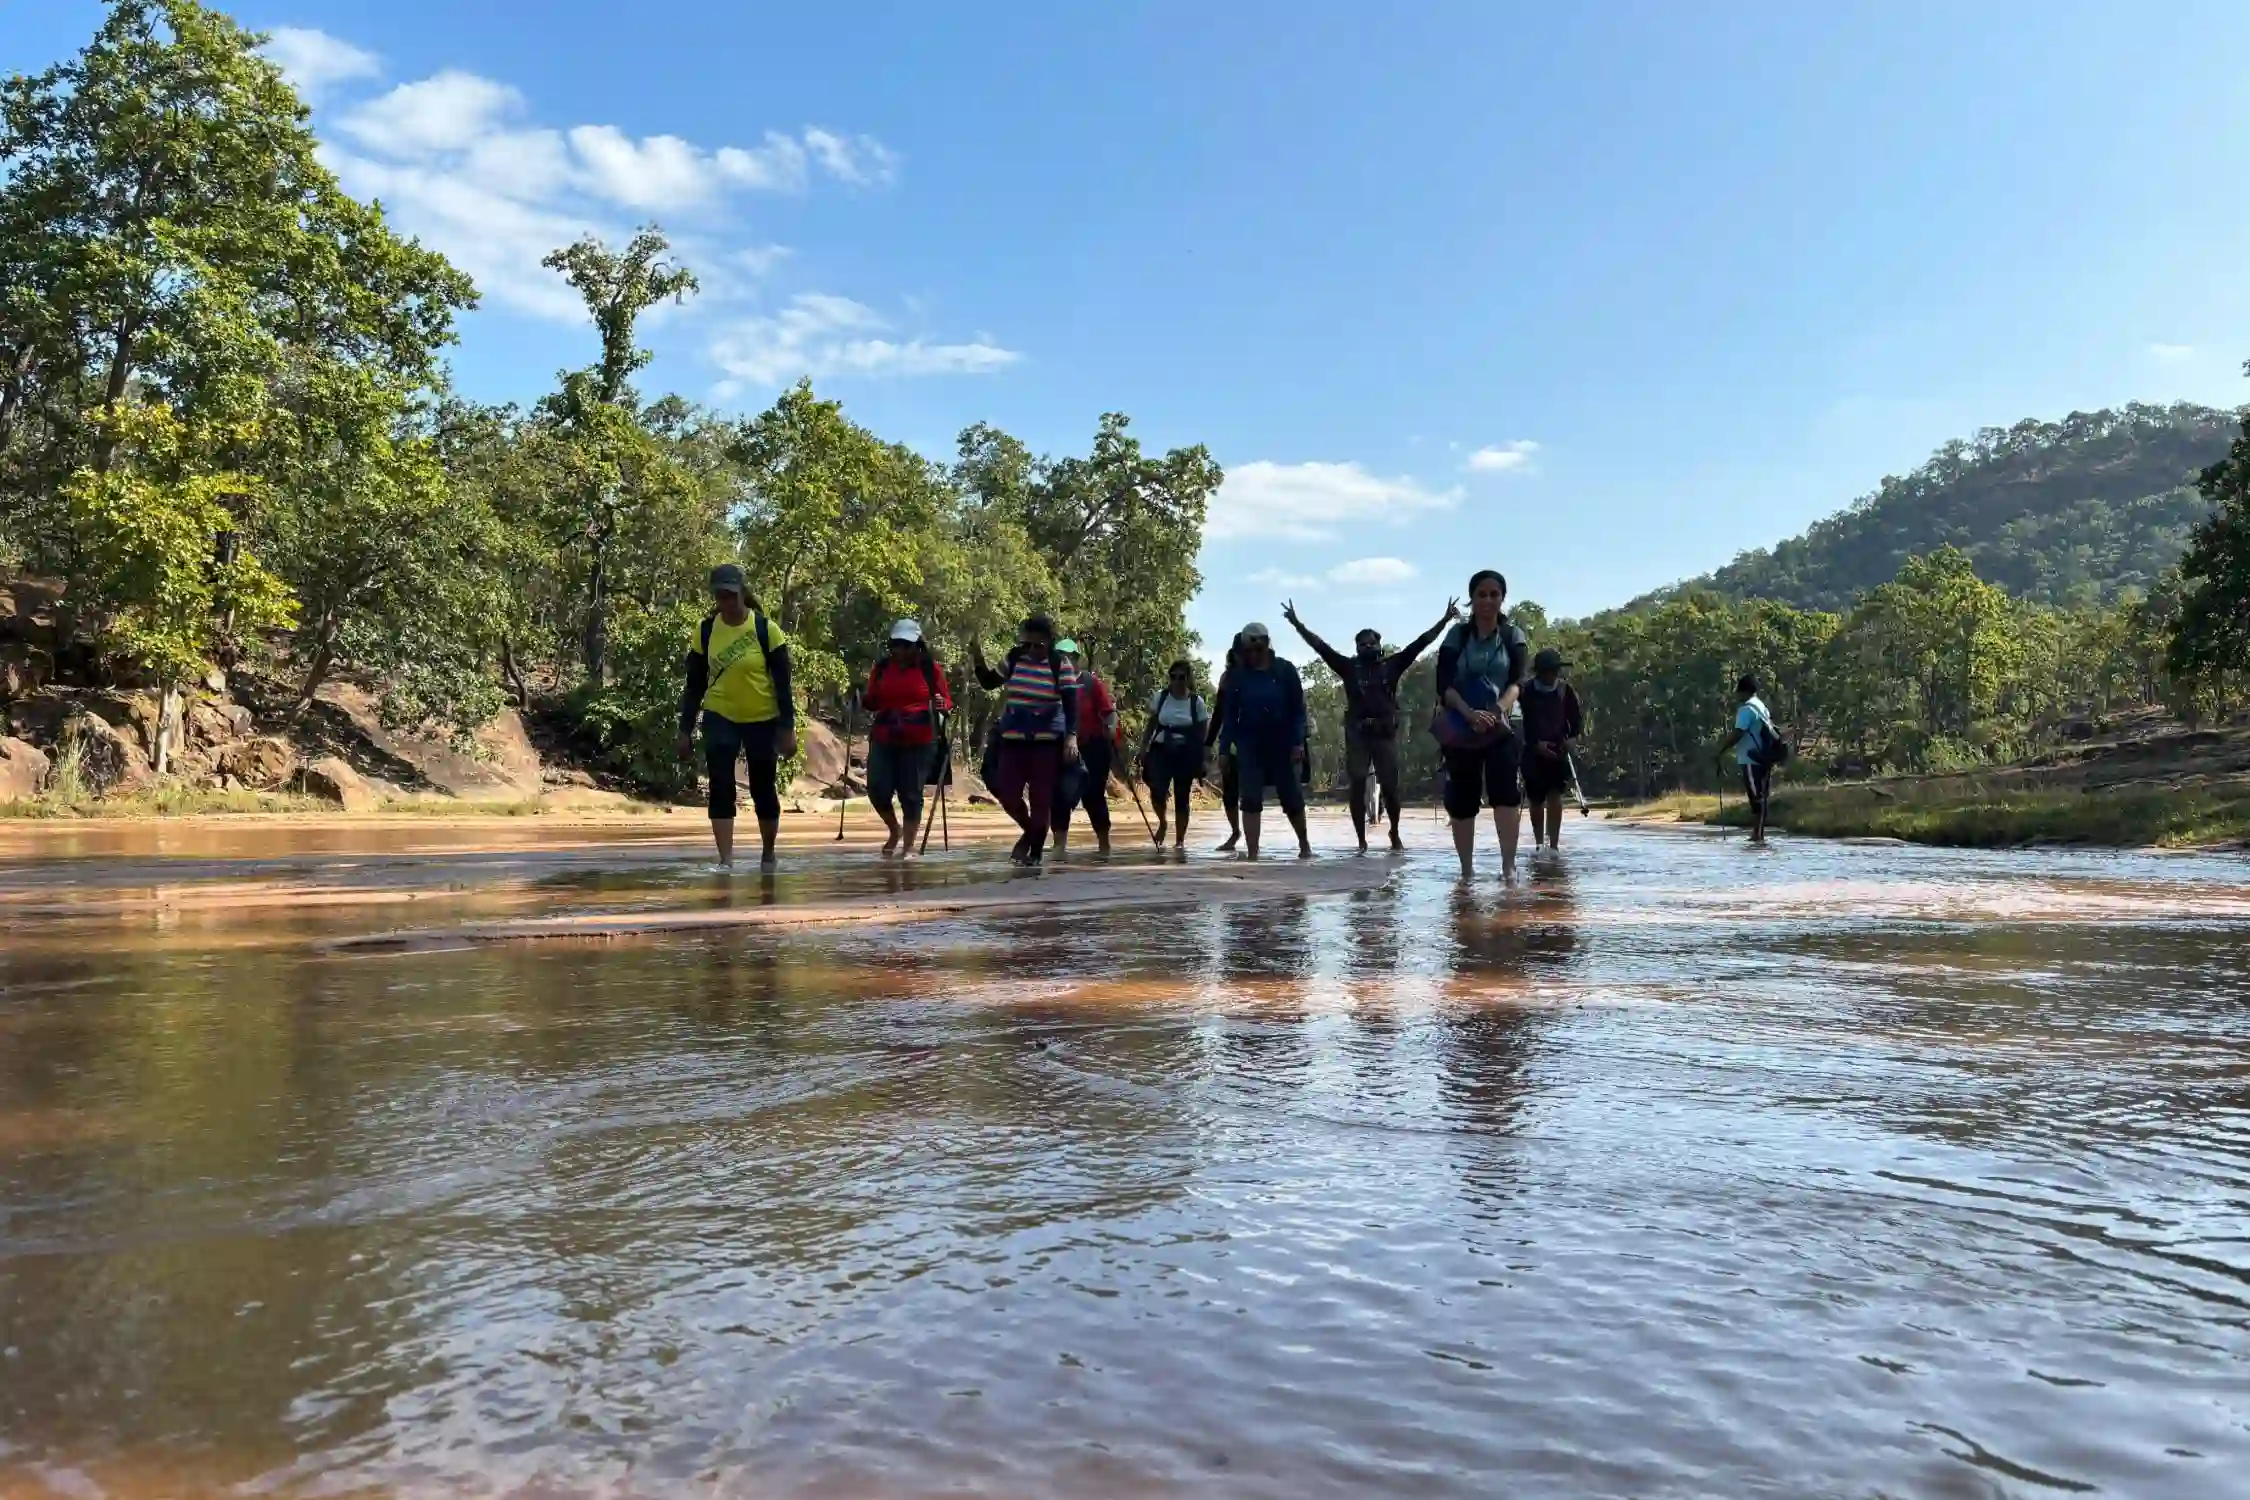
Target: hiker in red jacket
[
  {"x": 1087, "y": 783},
  {"x": 905, "y": 696}
]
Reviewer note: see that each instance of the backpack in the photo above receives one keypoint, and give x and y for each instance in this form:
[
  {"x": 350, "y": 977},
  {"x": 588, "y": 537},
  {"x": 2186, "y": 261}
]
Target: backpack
[
  {"x": 1772, "y": 749},
  {"x": 1449, "y": 726},
  {"x": 758, "y": 618}
]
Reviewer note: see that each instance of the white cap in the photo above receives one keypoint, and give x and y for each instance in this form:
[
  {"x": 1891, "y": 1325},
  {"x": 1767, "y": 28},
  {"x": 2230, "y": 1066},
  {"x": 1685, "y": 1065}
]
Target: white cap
[
  {"x": 906, "y": 630},
  {"x": 1256, "y": 632}
]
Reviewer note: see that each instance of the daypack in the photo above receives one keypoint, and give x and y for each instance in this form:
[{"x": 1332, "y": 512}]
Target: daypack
[
  {"x": 1772, "y": 750},
  {"x": 1479, "y": 692},
  {"x": 929, "y": 713},
  {"x": 1179, "y": 734}
]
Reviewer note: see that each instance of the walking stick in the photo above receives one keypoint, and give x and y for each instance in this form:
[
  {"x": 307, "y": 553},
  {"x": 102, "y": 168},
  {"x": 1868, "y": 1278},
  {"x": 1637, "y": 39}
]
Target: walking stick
[
  {"x": 1134, "y": 787},
  {"x": 1719, "y": 772},
  {"x": 945, "y": 774},
  {"x": 1577, "y": 789}
]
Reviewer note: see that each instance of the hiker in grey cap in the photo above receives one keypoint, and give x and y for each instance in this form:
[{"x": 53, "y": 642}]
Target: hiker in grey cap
[
  {"x": 738, "y": 683},
  {"x": 1264, "y": 732}
]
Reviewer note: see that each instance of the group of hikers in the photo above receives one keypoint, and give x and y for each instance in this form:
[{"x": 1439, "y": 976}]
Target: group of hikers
[{"x": 1505, "y": 719}]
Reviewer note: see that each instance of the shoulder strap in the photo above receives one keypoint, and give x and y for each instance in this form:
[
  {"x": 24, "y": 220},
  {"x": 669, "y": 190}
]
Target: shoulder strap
[
  {"x": 765, "y": 642},
  {"x": 707, "y": 619}
]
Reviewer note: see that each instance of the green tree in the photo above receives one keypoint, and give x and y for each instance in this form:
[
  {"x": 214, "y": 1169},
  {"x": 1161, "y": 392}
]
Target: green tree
[
  {"x": 2212, "y": 633},
  {"x": 617, "y": 473}
]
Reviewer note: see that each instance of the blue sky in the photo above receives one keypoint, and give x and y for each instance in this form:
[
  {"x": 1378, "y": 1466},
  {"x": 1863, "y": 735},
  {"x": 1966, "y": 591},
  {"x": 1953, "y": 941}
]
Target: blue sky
[{"x": 1598, "y": 295}]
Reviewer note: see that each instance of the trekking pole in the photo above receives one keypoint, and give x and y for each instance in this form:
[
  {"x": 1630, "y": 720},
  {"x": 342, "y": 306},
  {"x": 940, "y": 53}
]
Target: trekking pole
[
  {"x": 1719, "y": 773},
  {"x": 1577, "y": 788},
  {"x": 1134, "y": 787},
  {"x": 945, "y": 774}
]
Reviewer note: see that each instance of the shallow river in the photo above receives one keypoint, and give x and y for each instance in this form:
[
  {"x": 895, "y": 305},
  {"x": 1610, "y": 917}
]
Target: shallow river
[{"x": 1681, "y": 1170}]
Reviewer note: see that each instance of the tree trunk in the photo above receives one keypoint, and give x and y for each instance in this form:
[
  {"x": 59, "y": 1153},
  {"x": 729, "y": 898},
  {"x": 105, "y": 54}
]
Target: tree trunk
[
  {"x": 595, "y": 652},
  {"x": 168, "y": 716},
  {"x": 513, "y": 673}
]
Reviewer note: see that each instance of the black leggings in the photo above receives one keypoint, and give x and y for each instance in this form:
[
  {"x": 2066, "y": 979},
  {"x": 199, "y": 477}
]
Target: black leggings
[
  {"x": 724, "y": 741},
  {"x": 1087, "y": 783},
  {"x": 1173, "y": 768}
]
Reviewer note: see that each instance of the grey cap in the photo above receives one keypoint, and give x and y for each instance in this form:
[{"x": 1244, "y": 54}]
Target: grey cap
[
  {"x": 727, "y": 578},
  {"x": 1254, "y": 632},
  {"x": 1548, "y": 660}
]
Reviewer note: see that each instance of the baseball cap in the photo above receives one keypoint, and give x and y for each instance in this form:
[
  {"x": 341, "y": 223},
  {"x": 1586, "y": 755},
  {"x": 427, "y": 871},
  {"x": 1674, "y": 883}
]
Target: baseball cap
[
  {"x": 1256, "y": 632},
  {"x": 1548, "y": 660},
  {"x": 1068, "y": 646},
  {"x": 727, "y": 578},
  {"x": 906, "y": 630}
]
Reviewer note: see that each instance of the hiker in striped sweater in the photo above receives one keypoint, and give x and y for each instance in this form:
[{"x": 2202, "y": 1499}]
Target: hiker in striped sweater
[{"x": 1038, "y": 718}]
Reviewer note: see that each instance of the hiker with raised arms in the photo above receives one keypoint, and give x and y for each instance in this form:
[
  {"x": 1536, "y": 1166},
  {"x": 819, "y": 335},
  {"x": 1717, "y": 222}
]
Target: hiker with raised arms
[
  {"x": 906, "y": 695},
  {"x": 1371, "y": 680},
  {"x": 1264, "y": 732},
  {"x": 1480, "y": 672},
  {"x": 1172, "y": 754},
  {"x": 738, "y": 683},
  {"x": 1037, "y": 730},
  {"x": 1230, "y": 784}
]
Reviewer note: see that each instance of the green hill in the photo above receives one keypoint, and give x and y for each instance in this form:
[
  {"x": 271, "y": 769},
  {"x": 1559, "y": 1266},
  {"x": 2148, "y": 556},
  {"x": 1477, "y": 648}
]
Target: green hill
[{"x": 2058, "y": 512}]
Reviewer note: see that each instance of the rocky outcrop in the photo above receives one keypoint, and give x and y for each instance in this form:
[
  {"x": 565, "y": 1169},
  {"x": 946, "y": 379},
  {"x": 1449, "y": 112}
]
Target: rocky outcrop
[
  {"x": 109, "y": 758},
  {"x": 262, "y": 763},
  {"x": 332, "y": 778},
  {"x": 216, "y": 724},
  {"x": 503, "y": 767},
  {"x": 823, "y": 751},
  {"x": 23, "y": 770}
]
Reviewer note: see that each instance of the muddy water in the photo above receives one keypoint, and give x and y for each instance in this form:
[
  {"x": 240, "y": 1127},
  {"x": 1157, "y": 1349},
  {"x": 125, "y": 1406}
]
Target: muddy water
[{"x": 1680, "y": 1171}]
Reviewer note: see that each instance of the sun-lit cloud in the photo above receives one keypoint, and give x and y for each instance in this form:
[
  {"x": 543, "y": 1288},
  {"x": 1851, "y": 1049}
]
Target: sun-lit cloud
[
  {"x": 820, "y": 335},
  {"x": 1372, "y": 572},
  {"x": 1312, "y": 501},
  {"x": 461, "y": 161},
  {"x": 313, "y": 60},
  {"x": 1503, "y": 458}
]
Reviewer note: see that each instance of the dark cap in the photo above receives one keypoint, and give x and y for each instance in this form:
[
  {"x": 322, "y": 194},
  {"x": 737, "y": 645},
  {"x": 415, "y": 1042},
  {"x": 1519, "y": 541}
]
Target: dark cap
[
  {"x": 1548, "y": 660},
  {"x": 727, "y": 578}
]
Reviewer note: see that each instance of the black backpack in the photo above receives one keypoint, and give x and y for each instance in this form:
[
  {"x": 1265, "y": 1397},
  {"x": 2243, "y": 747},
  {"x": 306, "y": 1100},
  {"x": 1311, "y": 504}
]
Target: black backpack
[
  {"x": 757, "y": 617},
  {"x": 1377, "y": 714}
]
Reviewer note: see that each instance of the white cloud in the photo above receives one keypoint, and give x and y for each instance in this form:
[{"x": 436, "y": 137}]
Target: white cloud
[
  {"x": 1285, "y": 582},
  {"x": 1309, "y": 501},
  {"x": 449, "y": 111},
  {"x": 1503, "y": 458},
  {"x": 312, "y": 60},
  {"x": 862, "y": 160},
  {"x": 776, "y": 166},
  {"x": 2171, "y": 354},
  {"x": 661, "y": 172},
  {"x": 821, "y": 335},
  {"x": 1372, "y": 572}
]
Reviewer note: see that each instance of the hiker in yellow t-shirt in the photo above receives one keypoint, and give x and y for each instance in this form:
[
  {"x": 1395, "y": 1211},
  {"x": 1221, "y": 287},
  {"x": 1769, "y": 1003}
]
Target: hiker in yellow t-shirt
[{"x": 738, "y": 682}]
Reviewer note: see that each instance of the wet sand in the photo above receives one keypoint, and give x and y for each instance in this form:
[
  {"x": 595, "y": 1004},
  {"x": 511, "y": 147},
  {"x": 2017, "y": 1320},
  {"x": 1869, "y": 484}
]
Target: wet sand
[{"x": 1676, "y": 1170}]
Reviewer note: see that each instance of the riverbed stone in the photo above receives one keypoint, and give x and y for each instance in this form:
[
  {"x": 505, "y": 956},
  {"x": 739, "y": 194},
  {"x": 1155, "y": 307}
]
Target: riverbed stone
[
  {"x": 823, "y": 750},
  {"x": 261, "y": 763},
  {"x": 110, "y": 758},
  {"x": 23, "y": 769},
  {"x": 218, "y": 723},
  {"x": 499, "y": 766},
  {"x": 332, "y": 778}
]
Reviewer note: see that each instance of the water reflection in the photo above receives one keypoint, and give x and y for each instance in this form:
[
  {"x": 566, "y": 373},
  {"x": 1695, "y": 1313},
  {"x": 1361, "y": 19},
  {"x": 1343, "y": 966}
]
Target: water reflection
[{"x": 1665, "y": 1172}]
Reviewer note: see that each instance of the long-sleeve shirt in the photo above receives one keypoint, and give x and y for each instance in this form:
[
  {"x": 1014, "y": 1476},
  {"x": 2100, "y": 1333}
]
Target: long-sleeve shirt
[
  {"x": 698, "y": 672},
  {"x": 1033, "y": 679},
  {"x": 905, "y": 702},
  {"x": 1264, "y": 702},
  {"x": 1366, "y": 695}
]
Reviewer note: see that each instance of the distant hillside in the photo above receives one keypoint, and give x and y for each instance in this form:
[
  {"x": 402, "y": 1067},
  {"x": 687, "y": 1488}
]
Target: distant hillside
[{"x": 2057, "y": 512}]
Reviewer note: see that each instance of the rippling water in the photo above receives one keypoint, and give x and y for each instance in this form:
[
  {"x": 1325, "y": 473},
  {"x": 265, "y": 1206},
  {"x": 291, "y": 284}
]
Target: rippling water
[{"x": 1679, "y": 1171}]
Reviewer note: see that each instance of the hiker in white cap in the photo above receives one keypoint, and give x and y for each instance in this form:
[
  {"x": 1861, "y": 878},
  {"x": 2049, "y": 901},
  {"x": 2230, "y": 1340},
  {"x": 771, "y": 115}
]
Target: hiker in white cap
[
  {"x": 905, "y": 697},
  {"x": 1264, "y": 732}
]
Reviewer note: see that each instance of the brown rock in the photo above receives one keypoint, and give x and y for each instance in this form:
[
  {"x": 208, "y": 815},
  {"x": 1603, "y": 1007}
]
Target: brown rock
[
  {"x": 331, "y": 777},
  {"x": 23, "y": 770},
  {"x": 27, "y": 609},
  {"x": 136, "y": 713},
  {"x": 261, "y": 763},
  {"x": 110, "y": 759},
  {"x": 503, "y": 767},
  {"x": 24, "y": 670},
  {"x": 191, "y": 764},
  {"x": 218, "y": 723},
  {"x": 823, "y": 751}
]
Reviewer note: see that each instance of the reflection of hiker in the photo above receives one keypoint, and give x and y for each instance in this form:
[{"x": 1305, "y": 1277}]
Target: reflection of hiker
[
  {"x": 1264, "y": 732},
  {"x": 1038, "y": 712},
  {"x": 1552, "y": 722},
  {"x": 1758, "y": 747},
  {"x": 1480, "y": 668},
  {"x": 905, "y": 695},
  {"x": 1230, "y": 784},
  {"x": 1172, "y": 754},
  {"x": 1371, "y": 681},
  {"x": 738, "y": 682},
  {"x": 1087, "y": 783}
]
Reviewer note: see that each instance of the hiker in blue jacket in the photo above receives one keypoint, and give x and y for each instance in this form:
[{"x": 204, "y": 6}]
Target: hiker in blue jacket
[{"x": 1264, "y": 732}]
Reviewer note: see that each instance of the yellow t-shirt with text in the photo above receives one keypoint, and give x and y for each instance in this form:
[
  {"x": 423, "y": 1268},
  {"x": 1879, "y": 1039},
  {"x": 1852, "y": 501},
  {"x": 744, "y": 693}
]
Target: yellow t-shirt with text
[{"x": 740, "y": 687}]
